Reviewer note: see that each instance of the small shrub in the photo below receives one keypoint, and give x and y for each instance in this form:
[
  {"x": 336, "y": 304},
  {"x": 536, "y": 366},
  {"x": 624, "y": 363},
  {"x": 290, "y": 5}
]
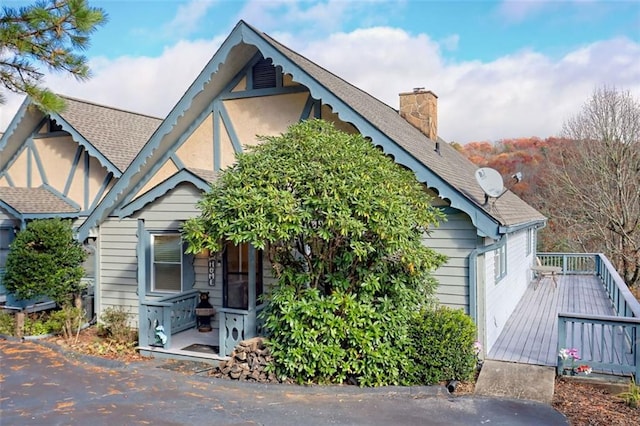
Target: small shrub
[
  {"x": 632, "y": 396},
  {"x": 115, "y": 324},
  {"x": 67, "y": 321},
  {"x": 7, "y": 323},
  {"x": 36, "y": 325},
  {"x": 442, "y": 346}
]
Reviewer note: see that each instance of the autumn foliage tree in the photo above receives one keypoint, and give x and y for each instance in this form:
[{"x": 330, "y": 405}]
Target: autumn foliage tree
[
  {"x": 587, "y": 182},
  {"x": 596, "y": 185}
]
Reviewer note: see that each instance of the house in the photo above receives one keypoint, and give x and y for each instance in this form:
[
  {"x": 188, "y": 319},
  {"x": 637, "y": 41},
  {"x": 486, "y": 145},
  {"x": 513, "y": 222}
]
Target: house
[
  {"x": 61, "y": 165},
  {"x": 253, "y": 85}
]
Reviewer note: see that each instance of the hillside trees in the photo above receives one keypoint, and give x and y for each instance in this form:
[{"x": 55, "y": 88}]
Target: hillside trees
[
  {"x": 49, "y": 33},
  {"x": 594, "y": 192},
  {"x": 343, "y": 227},
  {"x": 587, "y": 181}
]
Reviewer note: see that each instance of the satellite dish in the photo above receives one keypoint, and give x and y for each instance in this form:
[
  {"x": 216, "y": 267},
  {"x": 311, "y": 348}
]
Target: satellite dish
[{"x": 490, "y": 180}]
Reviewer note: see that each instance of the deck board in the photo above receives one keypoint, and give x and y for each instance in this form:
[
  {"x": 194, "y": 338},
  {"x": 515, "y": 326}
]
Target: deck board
[{"x": 530, "y": 335}]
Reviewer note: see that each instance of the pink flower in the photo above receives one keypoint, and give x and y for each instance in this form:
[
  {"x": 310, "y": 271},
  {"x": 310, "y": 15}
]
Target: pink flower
[
  {"x": 573, "y": 353},
  {"x": 477, "y": 348}
]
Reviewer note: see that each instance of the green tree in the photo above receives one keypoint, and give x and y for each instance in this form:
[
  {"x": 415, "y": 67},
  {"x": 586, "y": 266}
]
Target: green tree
[
  {"x": 45, "y": 260},
  {"x": 343, "y": 227},
  {"x": 49, "y": 33}
]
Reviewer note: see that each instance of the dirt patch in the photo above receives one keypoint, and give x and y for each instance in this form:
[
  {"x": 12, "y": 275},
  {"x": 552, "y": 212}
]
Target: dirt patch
[
  {"x": 586, "y": 404},
  {"x": 89, "y": 342}
]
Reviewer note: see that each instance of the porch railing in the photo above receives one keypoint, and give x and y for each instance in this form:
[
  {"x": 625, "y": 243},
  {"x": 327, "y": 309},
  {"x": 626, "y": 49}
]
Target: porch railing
[
  {"x": 237, "y": 325},
  {"x": 605, "y": 343},
  {"x": 161, "y": 318}
]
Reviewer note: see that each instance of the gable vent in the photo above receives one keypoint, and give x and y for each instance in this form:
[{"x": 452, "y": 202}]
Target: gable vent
[{"x": 264, "y": 74}]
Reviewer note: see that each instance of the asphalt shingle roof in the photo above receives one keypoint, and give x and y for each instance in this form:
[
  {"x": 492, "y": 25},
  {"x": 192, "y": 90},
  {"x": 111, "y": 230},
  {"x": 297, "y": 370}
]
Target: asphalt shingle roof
[
  {"x": 207, "y": 175},
  {"x": 448, "y": 163},
  {"x": 119, "y": 135},
  {"x": 34, "y": 200}
]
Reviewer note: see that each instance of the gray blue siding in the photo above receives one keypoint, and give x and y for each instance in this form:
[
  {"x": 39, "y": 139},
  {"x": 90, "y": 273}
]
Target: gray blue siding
[
  {"x": 455, "y": 238},
  {"x": 118, "y": 244}
]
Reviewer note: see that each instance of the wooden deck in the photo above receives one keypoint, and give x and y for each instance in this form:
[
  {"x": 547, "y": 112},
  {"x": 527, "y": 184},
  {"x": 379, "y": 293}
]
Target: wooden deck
[{"x": 531, "y": 333}]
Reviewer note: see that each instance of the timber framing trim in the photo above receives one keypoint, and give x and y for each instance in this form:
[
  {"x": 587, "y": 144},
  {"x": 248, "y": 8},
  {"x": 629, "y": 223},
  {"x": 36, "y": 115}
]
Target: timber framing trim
[
  {"x": 244, "y": 34},
  {"x": 167, "y": 185}
]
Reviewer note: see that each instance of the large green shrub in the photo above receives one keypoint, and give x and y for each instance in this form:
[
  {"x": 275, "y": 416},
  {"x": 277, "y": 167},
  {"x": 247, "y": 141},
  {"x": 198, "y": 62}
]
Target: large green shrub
[
  {"x": 45, "y": 260},
  {"x": 442, "y": 346},
  {"x": 343, "y": 226}
]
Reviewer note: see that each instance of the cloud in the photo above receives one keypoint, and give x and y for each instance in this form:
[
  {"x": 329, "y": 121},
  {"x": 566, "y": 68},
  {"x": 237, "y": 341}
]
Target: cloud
[
  {"x": 523, "y": 94},
  {"x": 313, "y": 20},
  {"x": 519, "y": 10},
  {"x": 149, "y": 85},
  {"x": 187, "y": 18},
  {"x": 518, "y": 95}
]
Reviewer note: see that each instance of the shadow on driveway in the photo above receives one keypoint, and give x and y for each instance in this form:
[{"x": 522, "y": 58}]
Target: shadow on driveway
[{"x": 41, "y": 386}]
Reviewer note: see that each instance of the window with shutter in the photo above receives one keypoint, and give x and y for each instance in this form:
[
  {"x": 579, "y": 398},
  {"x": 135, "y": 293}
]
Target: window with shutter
[{"x": 6, "y": 236}]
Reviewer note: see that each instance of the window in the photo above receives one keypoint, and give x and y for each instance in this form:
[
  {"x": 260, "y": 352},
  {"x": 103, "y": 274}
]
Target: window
[
  {"x": 500, "y": 262},
  {"x": 166, "y": 269},
  {"x": 529, "y": 240},
  {"x": 236, "y": 271}
]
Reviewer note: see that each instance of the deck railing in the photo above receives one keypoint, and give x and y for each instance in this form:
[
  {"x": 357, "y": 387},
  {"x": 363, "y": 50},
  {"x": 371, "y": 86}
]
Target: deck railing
[
  {"x": 605, "y": 343},
  {"x": 571, "y": 263},
  {"x": 161, "y": 318},
  {"x": 237, "y": 325}
]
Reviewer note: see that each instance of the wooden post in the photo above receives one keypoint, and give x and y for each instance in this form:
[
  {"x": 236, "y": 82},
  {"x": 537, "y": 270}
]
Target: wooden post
[
  {"x": 19, "y": 324},
  {"x": 77, "y": 300}
]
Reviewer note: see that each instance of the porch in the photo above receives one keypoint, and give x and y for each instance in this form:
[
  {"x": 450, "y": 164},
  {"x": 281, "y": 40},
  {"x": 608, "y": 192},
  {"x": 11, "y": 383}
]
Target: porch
[
  {"x": 188, "y": 345},
  {"x": 168, "y": 328},
  {"x": 591, "y": 310}
]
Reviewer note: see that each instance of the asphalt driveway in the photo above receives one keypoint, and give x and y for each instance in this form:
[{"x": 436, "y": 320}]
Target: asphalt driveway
[{"x": 41, "y": 386}]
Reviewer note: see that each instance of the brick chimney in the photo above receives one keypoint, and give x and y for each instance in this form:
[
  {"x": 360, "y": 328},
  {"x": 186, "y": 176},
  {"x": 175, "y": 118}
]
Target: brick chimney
[{"x": 420, "y": 108}]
